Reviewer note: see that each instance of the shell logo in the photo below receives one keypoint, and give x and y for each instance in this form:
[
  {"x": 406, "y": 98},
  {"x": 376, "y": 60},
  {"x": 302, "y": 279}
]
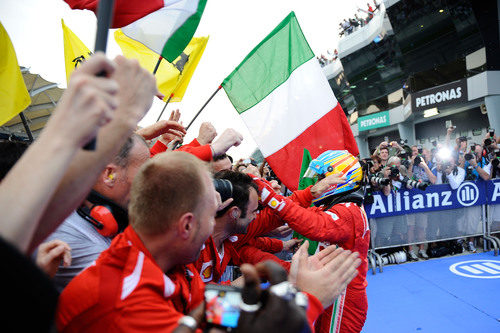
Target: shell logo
[
  {"x": 206, "y": 271},
  {"x": 274, "y": 203}
]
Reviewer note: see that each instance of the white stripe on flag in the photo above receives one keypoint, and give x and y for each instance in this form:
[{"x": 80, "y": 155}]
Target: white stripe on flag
[
  {"x": 291, "y": 108},
  {"x": 154, "y": 29}
]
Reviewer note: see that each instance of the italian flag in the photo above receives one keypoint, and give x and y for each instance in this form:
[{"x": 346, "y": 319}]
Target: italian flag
[
  {"x": 164, "y": 26},
  {"x": 286, "y": 102}
]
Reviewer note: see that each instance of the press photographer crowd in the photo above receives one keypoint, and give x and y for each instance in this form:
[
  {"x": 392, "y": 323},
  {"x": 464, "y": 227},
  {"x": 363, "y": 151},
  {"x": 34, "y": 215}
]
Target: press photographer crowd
[{"x": 395, "y": 166}]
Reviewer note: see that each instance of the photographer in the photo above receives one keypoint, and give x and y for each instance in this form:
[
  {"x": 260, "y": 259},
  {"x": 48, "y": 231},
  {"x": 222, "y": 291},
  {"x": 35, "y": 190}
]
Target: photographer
[
  {"x": 447, "y": 172},
  {"x": 399, "y": 176},
  {"x": 476, "y": 165},
  {"x": 418, "y": 168},
  {"x": 417, "y": 223}
]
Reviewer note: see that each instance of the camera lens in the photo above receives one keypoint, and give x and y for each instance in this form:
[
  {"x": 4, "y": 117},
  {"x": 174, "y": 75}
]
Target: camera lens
[{"x": 224, "y": 187}]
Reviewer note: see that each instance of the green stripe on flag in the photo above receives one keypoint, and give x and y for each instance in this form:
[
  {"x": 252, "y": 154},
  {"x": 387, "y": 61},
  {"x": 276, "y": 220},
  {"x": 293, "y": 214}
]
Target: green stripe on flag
[
  {"x": 181, "y": 38},
  {"x": 268, "y": 65},
  {"x": 304, "y": 183}
]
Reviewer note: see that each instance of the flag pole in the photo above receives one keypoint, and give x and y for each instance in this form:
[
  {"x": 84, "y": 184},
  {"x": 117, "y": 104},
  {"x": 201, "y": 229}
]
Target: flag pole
[
  {"x": 165, "y": 106},
  {"x": 26, "y": 126},
  {"x": 104, "y": 17},
  {"x": 198, "y": 113},
  {"x": 196, "y": 116},
  {"x": 157, "y": 65}
]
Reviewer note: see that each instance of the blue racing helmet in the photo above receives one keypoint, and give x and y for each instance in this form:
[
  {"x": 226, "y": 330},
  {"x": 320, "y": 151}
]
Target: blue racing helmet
[{"x": 332, "y": 162}]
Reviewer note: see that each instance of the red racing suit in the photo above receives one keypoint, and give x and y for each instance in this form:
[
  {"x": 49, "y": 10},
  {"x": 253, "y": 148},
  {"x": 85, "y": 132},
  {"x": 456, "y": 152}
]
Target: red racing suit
[
  {"x": 267, "y": 220},
  {"x": 204, "y": 152},
  {"x": 213, "y": 269},
  {"x": 126, "y": 291},
  {"x": 346, "y": 225}
]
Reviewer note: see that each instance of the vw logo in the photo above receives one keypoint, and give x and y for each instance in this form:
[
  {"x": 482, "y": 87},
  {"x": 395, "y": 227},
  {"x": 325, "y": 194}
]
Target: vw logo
[
  {"x": 467, "y": 194},
  {"x": 478, "y": 269}
]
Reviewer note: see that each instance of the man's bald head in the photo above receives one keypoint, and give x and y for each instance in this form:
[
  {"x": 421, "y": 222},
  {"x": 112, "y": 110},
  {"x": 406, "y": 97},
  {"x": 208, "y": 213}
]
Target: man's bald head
[{"x": 166, "y": 187}]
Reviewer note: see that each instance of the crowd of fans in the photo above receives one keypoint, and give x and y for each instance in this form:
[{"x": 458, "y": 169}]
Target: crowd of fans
[
  {"x": 125, "y": 237},
  {"x": 347, "y": 26},
  {"x": 395, "y": 166}
]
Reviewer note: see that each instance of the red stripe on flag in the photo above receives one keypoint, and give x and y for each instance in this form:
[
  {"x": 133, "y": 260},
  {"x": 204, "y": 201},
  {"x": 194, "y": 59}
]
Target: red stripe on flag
[
  {"x": 331, "y": 132},
  {"x": 125, "y": 11}
]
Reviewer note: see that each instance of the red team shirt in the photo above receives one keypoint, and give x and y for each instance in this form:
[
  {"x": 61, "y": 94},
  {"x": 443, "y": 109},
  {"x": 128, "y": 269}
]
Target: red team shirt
[{"x": 126, "y": 291}]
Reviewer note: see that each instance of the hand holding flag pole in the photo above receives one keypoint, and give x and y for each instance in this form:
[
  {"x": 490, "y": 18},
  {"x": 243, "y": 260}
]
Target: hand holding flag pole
[{"x": 104, "y": 17}]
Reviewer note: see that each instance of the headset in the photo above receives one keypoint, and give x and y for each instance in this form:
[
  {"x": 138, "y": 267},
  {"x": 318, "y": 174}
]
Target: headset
[{"x": 106, "y": 216}]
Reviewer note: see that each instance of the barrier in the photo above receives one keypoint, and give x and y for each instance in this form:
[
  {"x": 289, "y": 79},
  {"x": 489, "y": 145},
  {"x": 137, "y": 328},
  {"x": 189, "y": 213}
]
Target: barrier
[
  {"x": 493, "y": 214},
  {"x": 440, "y": 213}
]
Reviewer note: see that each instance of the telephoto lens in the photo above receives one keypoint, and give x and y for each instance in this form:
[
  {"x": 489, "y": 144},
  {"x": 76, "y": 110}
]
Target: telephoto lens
[
  {"x": 380, "y": 180},
  {"x": 224, "y": 187}
]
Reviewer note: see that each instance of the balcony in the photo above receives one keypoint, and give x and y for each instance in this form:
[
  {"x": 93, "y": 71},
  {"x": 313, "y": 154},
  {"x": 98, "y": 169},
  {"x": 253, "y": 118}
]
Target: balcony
[{"x": 362, "y": 36}]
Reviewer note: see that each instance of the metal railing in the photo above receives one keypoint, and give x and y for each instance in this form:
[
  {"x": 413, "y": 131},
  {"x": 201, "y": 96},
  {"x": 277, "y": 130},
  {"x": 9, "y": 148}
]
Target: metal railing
[{"x": 440, "y": 213}]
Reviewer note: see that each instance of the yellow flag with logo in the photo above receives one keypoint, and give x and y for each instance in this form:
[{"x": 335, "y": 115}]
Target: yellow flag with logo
[
  {"x": 75, "y": 52},
  {"x": 14, "y": 96},
  {"x": 171, "y": 78}
]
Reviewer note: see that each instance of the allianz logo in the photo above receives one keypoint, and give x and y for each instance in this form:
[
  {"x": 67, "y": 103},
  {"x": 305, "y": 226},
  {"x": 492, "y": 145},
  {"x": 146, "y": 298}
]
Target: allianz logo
[
  {"x": 466, "y": 195},
  {"x": 479, "y": 269}
]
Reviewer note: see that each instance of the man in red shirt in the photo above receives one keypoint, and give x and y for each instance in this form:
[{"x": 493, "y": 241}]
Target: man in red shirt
[{"x": 144, "y": 281}]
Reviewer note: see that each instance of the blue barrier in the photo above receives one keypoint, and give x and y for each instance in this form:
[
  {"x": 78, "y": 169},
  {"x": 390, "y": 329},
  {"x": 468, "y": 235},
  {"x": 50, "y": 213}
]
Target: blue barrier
[{"x": 436, "y": 197}]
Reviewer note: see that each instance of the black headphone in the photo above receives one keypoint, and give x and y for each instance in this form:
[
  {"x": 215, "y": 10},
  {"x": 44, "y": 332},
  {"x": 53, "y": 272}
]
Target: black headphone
[{"x": 106, "y": 216}]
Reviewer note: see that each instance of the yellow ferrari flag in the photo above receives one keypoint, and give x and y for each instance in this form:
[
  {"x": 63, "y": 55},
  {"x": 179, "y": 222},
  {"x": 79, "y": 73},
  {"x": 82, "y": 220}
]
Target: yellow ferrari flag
[
  {"x": 14, "y": 96},
  {"x": 74, "y": 50},
  {"x": 171, "y": 78}
]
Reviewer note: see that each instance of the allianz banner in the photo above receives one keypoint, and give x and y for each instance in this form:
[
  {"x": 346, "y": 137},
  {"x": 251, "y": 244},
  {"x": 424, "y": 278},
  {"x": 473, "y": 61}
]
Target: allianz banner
[
  {"x": 436, "y": 197},
  {"x": 493, "y": 190}
]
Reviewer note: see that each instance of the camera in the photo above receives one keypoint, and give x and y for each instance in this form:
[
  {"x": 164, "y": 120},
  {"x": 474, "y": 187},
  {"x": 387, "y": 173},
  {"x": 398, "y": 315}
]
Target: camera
[
  {"x": 468, "y": 173},
  {"x": 417, "y": 160},
  {"x": 492, "y": 132},
  {"x": 394, "y": 172},
  {"x": 487, "y": 142},
  {"x": 380, "y": 180},
  {"x": 468, "y": 156},
  {"x": 224, "y": 187},
  {"x": 420, "y": 149},
  {"x": 407, "y": 182},
  {"x": 222, "y": 305}
]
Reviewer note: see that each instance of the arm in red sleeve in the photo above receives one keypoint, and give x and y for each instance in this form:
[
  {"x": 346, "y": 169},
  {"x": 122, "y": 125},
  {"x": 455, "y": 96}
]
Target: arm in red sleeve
[
  {"x": 204, "y": 152},
  {"x": 267, "y": 244},
  {"x": 314, "y": 309},
  {"x": 252, "y": 255},
  {"x": 265, "y": 221},
  {"x": 193, "y": 143},
  {"x": 332, "y": 226},
  {"x": 158, "y": 147},
  {"x": 303, "y": 197}
]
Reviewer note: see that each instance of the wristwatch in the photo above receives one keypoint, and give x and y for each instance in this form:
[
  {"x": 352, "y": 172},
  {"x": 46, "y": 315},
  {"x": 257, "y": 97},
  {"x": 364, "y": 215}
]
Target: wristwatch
[{"x": 189, "y": 322}]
